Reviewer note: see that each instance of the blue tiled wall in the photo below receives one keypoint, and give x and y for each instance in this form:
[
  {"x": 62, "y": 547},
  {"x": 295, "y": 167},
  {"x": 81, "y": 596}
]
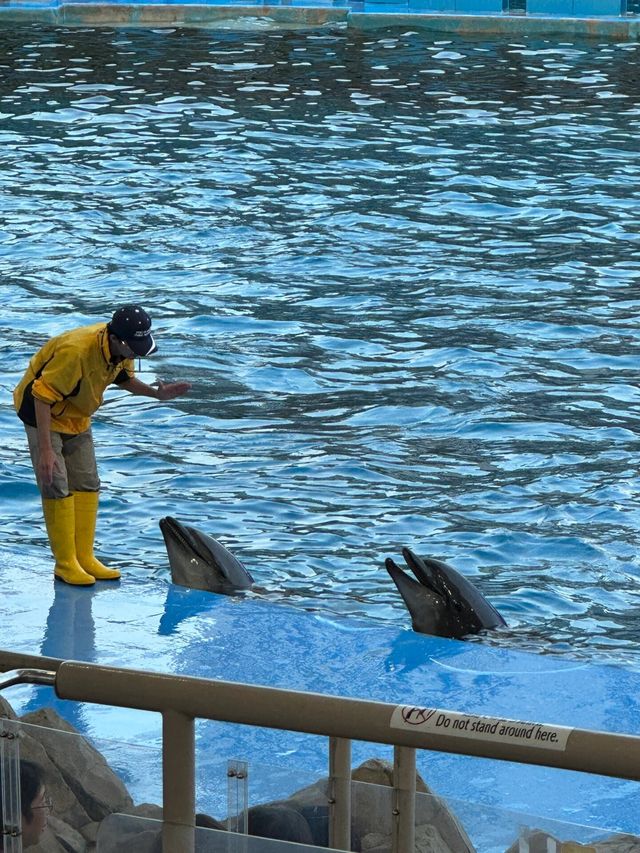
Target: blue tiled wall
[
  {"x": 576, "y": 8},
  {"x": 426, "y": 6}
]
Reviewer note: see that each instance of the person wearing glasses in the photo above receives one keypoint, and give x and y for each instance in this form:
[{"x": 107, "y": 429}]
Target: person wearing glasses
[
  {"x": 61, "y": 389},
  {"x": 36, "y": 806}
]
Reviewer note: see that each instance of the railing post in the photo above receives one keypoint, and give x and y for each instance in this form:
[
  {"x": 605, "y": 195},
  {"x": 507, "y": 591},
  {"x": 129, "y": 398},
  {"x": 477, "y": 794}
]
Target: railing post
[
  {"x": 404, "y": 799},
  {"x": 10, "y": 798},
  {"x": 339, "y": 793},
  {"x": 178, "y": 782}
]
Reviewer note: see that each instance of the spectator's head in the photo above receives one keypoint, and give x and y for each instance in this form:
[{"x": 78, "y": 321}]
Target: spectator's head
[{"x": 35, "y": 805}]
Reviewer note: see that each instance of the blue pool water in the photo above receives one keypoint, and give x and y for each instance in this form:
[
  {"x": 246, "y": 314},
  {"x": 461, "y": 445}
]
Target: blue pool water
[{"x": 401, "y": 273}]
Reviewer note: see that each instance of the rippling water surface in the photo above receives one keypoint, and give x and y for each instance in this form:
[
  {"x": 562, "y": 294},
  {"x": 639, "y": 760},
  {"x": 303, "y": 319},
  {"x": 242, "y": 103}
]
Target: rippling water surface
[{"x": 402, "y": 273}]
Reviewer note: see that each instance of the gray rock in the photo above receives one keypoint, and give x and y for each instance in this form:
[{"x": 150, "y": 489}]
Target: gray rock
[
  {"x": 433, "y": 811},
  {"x": 124, "y": 834},
  {"x": 540, "y": 842},
  {"x": 65, "y": 803},
  {"x": 619, "y": 844},
  {"x": 428, "y": 840},
  {"x": 90, "y": 833},
  {"x": 59, "y": 837},
  {"x": 378, "y": 771},
  {"x": 146, "y": 810},
  {"x": 6, "y": 710},
  {"x": 48, "y": 843},
  {"x": 98, "y": 789},
  {"x": 375, "y": 842},
  {"x": 371, "y": 809},
  {"x": 68, "y": 838}
]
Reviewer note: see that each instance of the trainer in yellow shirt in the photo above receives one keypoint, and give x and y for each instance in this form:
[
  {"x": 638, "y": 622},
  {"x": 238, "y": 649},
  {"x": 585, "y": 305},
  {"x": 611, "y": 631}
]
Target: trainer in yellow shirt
[{"x": 55, "y": 399}]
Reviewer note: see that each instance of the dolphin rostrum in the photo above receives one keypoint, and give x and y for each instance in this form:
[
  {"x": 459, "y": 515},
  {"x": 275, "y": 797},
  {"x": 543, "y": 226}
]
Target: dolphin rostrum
[
  {"x": 440, "y": 600},
  {"x": 200, "y": 562}
]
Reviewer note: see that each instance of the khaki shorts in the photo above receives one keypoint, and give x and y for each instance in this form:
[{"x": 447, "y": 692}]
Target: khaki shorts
[{"x": 75, "y": 469}]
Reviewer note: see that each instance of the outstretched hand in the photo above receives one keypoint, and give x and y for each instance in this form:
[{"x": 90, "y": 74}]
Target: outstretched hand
[{"x": 171, "y": 390}]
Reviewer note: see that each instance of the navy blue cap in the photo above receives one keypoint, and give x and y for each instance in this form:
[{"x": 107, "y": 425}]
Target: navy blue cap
[{"x": 132, "y": 324}]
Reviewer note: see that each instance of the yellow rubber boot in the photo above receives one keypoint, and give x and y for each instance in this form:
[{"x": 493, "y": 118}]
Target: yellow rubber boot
[
  {"x": 59, "y": 517},
  {"x": 86, "y": 511}
]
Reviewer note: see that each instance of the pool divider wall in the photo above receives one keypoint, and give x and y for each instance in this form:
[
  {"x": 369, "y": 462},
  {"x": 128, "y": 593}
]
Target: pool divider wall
[
  {"x": 608, "y": 28},
  {"x": 611, "y": 28},
  {"x": 167, "y": 15}
]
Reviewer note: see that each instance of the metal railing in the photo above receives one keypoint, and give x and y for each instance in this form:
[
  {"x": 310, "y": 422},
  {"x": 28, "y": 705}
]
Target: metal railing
[{"x": 180, "y": 700}]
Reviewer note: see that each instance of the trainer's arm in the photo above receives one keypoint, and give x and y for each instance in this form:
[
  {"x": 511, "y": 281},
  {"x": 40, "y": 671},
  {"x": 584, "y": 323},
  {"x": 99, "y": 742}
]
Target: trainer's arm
[
  {"x": 161, "y": 391},
  {"x": 47, "y": 458}
]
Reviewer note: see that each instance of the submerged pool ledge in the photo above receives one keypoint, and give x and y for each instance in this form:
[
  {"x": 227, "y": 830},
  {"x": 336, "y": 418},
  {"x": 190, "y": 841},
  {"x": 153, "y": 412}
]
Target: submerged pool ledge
[{"x": 614, "y": 28}]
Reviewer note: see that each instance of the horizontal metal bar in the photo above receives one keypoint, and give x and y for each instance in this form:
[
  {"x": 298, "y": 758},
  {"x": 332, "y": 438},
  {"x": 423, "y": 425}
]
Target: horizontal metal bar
[
  {"x": 587, "y": 751},
  {"x": 606, "y": 754},
  {"x": 20, "y": 660},
  {"x": 27, "y": 676}
]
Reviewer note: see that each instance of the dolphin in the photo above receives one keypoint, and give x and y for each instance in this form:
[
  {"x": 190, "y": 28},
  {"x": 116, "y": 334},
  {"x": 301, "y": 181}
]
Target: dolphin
[
  {"x": 440, "y": 600},
  {"x": 200, "y": 562}
]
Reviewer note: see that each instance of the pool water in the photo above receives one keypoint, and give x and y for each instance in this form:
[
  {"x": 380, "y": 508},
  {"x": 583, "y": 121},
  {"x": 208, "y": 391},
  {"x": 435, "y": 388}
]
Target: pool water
[{"x": 401, "y": 273}]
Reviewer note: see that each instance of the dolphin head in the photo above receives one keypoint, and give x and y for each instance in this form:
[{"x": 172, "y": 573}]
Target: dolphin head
[
  {"x": 200, "y": 562},
  {"x": 441, "y": 601}
]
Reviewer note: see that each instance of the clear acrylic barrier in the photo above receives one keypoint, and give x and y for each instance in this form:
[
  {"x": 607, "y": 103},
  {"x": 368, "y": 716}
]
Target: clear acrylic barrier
[
  {"x": 460, "y": 826},
  {"x": 112, "y": 791},
  {"x": 437, "y": 828},
  {"x": 81, "y": 789},
  {"x": 264, "y": 782},
  {"x": 126, "y": 834},
  {"x": 494, "y": 830}
]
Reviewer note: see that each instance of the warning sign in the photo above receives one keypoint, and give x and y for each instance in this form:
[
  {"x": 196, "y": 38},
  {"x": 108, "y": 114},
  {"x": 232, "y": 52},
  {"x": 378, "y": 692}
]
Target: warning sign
[{"x": 493, "y": 729}]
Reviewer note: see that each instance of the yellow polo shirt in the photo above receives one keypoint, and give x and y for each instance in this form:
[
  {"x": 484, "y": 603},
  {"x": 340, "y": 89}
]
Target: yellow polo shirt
[{"x": 70, "y": 373}]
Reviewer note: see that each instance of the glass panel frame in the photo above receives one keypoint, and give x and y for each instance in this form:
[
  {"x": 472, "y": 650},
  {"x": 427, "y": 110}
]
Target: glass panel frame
[{"x": 10, "y": 799}]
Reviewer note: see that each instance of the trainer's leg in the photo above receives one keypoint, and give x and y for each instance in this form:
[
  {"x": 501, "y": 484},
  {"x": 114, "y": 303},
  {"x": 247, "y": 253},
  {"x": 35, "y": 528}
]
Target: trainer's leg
[
  {"x": 80, "y": 459},
  {"x": 59, "y": 514}
]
